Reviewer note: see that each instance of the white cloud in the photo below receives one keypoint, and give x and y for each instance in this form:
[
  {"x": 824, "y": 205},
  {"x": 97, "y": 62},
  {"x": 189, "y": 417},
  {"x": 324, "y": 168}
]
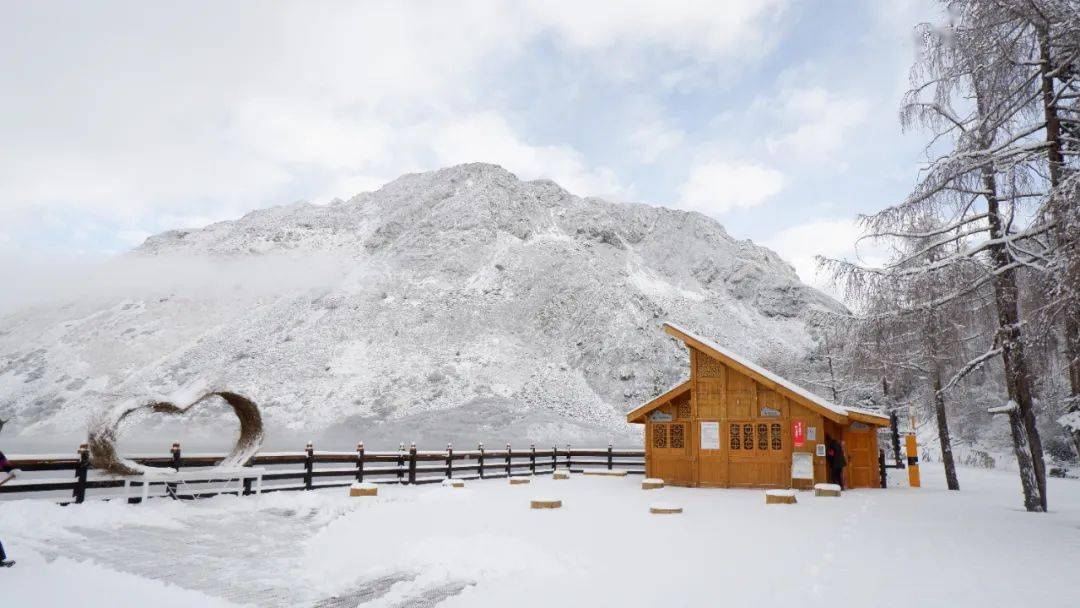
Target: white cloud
[
  {"x": 652, "y": 140},
  {"x": 819, "y": 122},
  {"x": 186, "y": 115},
  {"x": 829, "y": 237},
  {"x": 306, "y": 131},
  {"x": 719, "y": 29},
  {"x": 716, "y": 187},
  {"x": 487, "y": 137}
]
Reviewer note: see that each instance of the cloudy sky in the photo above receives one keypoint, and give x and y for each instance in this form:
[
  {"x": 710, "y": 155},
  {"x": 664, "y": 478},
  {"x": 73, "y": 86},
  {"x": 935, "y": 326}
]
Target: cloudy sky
[{"x": 776, "y": 117}]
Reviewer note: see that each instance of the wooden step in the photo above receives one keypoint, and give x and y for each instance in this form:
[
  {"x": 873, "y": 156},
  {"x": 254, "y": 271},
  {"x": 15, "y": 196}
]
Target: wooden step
[
  {"x": 545, "y": 503},
  {"x": 780, "y": 497}
]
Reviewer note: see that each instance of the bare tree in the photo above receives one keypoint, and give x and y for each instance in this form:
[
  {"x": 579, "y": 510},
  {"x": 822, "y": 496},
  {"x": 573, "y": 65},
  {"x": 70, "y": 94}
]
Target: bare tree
[{"x": 977, "y": 202}]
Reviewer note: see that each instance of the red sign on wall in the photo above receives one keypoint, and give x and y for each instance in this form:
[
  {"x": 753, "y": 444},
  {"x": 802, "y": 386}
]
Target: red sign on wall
[{"x": 798, "y": 433}]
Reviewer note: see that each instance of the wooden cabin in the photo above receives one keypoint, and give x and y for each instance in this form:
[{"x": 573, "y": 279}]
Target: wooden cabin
[{"x": 735, "y": 424}]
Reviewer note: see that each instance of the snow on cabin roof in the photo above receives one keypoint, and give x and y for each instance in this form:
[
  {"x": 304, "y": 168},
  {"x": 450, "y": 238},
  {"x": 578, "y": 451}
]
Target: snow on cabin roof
[
  {"x": 864, "y": 411},
  {"x": 775, "y": 379}
]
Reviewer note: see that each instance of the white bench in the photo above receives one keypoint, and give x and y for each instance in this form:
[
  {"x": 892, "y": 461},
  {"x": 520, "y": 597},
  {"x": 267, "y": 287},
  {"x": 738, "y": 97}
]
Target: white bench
[{"x": 239, "y": 474}]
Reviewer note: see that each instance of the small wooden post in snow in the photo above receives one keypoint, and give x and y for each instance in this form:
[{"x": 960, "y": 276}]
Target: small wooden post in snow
[
  {"x": 170, "y": 488},
  {"x": 412, "y": 463},
  {"x": 81, "y": 468},
  {"x": 480, "y": 448},
  {"x": 360, "y": 462},
  {"x": 309, "y": 465},
  {"x": 449, "y": 461}
]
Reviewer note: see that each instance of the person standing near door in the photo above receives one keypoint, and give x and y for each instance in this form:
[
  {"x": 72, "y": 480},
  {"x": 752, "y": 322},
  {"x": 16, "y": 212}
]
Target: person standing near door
[
  {"x": 836, "y": 461},
  {"x": 6, "y": 467}
]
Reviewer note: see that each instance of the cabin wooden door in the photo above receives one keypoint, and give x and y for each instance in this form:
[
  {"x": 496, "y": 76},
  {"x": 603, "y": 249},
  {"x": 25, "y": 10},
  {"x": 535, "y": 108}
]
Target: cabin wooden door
[
  {"x": 757, "y": 455},
  {"x": 861, "y": 460},
  {"x": 670, "y": 452},
  {"x": 712, "y": 461}
]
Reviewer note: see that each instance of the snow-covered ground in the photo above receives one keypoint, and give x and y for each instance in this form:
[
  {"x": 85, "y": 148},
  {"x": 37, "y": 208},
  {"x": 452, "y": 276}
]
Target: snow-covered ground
[{"x": 483, "y": 546}]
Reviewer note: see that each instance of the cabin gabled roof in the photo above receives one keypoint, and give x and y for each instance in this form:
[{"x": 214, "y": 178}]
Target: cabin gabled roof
[
  {"x": 832, "y": 411},
  {"x": 639, "y": 414}
]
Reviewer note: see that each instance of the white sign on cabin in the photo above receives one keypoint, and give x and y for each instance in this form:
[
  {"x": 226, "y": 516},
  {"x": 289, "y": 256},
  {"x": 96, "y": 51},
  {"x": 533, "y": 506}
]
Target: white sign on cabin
[
  {"x": 811, "y": 433},
  {"x": 769, "y": 412},
  {"x": 710, "y": 435},
  {"x": 659, "y": 416},
  {"x": 820, "y": 449},
  {"x": 802, "y": 465}
]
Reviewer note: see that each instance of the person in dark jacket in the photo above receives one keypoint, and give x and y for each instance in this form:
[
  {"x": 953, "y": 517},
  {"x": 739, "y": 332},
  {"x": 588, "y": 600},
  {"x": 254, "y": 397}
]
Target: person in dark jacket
[
  {"x": 5, "y": 466},
  {"x": 834, "y": 458}
]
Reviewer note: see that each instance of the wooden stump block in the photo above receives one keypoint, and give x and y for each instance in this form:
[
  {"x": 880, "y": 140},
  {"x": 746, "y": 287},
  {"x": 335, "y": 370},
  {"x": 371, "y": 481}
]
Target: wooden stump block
[
  {"x": 605, "y": 472},
  {"x": 826, "y": 489},
  {"x": 545, "y": 503},
  {"x": 652, "y": 484},
  {"x": 780, "y": 497},
  {"x": 517, "y": 481},
  {"x": 560, "y": 475},
  {"x": 663, "y": 508},
  {"x": 363, "y": 489},
  {"x": 453, "y": 483}
]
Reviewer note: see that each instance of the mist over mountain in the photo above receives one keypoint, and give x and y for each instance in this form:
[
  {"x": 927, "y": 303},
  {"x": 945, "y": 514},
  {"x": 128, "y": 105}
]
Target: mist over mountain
[{"x": 455, "y": 305}]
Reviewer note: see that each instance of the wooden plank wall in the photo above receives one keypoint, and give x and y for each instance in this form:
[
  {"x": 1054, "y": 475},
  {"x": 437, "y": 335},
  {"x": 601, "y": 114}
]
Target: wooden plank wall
[{"x": 741, "y": 405}]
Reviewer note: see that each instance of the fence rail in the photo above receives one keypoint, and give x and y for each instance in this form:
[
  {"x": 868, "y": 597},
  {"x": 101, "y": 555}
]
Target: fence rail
[{"x": 405, "y": 465}]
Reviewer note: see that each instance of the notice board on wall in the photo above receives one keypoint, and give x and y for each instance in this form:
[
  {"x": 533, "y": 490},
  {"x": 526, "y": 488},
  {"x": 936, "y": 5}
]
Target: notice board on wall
[
  {"x": 802, "y": 465},
  {"x": 710, "y": 435}
]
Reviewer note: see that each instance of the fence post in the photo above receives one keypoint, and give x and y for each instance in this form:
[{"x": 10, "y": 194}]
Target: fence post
[
  {"x": 568, "y": 457},
  {"x": 412, "y": 463},
  {"x": 401, "y": 463},
  {"x": 480, "y": 447},
  {"x": 309, "y": 465},
  {"x": 449, "y": 461},
  {"x": 894, "y": 430},
  {"x": 881, "y": 467},
  {"x": 170, "y": 488},
  {"x": 81, "y": 467},
  {"x": 360, "y": 461},
  {"x": 532, "y": 459},
  {"x": 508, "y": 460},
  {"x": 554, "y": 451},
  {"x": 609, "y": 461}
]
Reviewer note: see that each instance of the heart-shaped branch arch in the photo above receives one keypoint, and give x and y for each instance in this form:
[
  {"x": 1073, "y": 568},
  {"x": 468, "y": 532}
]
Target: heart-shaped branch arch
[{"x": 105, "y": 429}]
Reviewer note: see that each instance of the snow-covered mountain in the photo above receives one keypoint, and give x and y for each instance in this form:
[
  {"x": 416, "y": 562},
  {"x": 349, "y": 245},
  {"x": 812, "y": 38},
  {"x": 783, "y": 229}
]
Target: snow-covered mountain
[{"x": 458, "y": 304}]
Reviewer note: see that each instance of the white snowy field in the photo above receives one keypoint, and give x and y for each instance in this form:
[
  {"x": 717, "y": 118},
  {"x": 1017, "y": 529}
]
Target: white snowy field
[{"x": 483, "y": 546}]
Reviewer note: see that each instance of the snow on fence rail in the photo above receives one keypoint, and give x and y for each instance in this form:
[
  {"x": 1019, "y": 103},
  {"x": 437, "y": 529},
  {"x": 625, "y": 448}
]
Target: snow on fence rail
[{"x": 402, "y": 466}]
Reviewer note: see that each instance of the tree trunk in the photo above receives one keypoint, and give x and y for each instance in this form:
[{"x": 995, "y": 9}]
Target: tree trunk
[
  {"x": 1028, "y": 483},
  {"x": 943, "y": 433},
  {"x": 1066, "y": 240},
  {"x": 1017, "y": 377},
  {"x": 1007, "y": 300}
]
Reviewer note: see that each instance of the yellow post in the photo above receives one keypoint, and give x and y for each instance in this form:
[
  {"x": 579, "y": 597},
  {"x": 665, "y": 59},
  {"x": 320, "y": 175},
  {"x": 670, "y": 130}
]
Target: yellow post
[{"x": 912, "y": 461}]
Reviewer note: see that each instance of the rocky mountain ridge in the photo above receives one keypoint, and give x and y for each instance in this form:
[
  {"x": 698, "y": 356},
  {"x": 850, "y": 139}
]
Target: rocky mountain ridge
[{"x": 457, "y": 304}]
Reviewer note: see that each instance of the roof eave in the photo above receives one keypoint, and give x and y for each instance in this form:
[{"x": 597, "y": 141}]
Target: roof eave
[
  {"x": 868, "y": 418},
  {"x": 638, "y": 416}
]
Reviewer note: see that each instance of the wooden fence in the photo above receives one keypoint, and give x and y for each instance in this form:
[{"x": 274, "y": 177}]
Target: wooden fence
[{"x": 406, "y": 465}]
